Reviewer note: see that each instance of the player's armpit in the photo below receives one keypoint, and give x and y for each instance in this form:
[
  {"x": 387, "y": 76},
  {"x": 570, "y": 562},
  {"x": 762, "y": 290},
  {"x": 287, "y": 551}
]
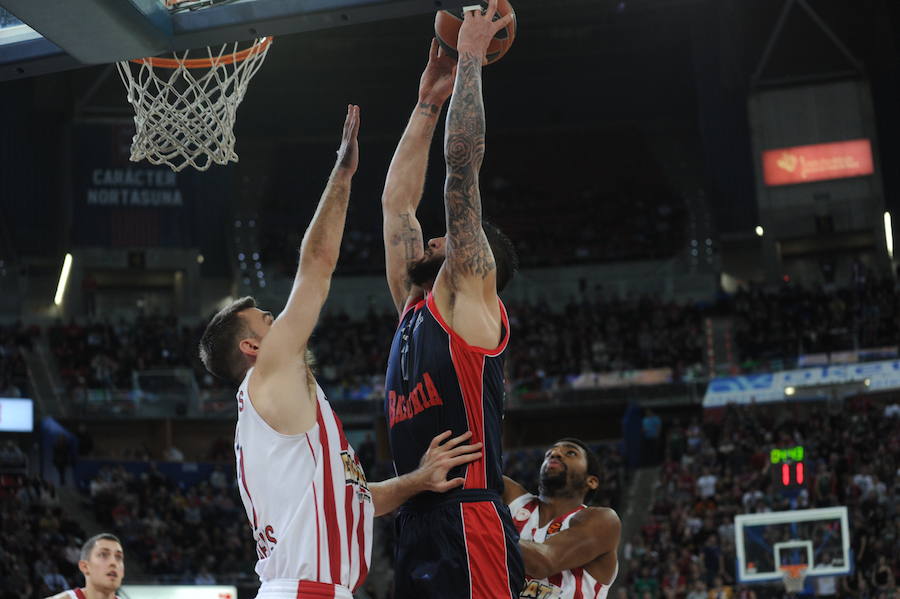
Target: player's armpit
[{"x": 592, "y": 532}]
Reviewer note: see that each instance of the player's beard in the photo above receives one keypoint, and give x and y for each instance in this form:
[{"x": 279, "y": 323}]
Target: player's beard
[
  {"x": 425, "y": 271},
  {"x": 553, "y": 484}
]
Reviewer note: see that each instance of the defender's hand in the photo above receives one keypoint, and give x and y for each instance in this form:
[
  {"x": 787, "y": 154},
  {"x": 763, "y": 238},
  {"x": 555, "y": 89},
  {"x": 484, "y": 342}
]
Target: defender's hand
[
  {"x": 348, "y": 153},
  {"x": 440, "y": 459},
  {"x": 436, "y": 83},
  {"x": 478, "y": 30}
]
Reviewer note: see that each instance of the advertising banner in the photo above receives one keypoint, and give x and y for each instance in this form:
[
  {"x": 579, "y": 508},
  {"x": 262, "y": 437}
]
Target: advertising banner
[
  {"x": 763, "y": 388},
  {"x": 819, "y": 162}
]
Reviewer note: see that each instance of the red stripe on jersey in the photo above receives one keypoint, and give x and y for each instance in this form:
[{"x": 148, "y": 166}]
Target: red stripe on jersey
[
  {"x": 530, "y": 507},
  {"x": 361, "y": 540},
  {"x": 246, "y": 490},
  {"x": 556, "y": 579},
  {"x": 414, "y": 304},
  {"x": 560, "y": 519},
  {"x": 79, "y": 593},
  {"x": 470, "y": 374},
  {"x": 578, "y": 573},
  {"x": 504, "y": 320},
  {"x": 348, "y": 499},
  {"x": 486, "y": 549},
  {"x": 332, "y": 529},
  {"x": 309, "y": 589},
  {"x": 597, "y": 588},
  {"x": 316, "y": 505}
]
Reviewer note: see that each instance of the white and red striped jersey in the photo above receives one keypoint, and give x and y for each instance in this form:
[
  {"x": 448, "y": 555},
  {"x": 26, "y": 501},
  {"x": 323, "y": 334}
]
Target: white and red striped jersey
[
  {"x": 306, "y": 498},
  {"x": 72, "y": 594},
  {"x": 568, "y": 584}
]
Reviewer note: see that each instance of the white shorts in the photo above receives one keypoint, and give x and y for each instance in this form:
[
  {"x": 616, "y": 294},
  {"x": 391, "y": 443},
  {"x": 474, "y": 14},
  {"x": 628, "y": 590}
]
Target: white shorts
[{"x": 285, "y": 588}]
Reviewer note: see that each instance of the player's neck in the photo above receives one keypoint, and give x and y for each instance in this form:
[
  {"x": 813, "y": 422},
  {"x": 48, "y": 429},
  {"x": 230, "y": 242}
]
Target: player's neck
[
  {"x": 554, "y": 506},
  {"x": 94, "y": 593}
]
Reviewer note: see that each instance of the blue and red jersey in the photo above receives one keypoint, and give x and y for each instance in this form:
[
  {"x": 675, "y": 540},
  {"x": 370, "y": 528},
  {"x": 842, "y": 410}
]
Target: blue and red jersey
[{"x": 437, "y": 382}]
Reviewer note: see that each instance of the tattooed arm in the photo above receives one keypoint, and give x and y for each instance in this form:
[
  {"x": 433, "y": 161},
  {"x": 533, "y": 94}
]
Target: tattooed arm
[
  {"x": 466, "y": 285},
  {"x": 406, "y": 177}
]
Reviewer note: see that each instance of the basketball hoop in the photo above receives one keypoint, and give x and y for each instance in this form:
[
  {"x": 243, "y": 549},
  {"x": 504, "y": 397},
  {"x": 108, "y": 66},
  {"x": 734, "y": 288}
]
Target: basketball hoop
[
  {"x": 184, "y": 107},
  {"x": 794, "y": 576}
]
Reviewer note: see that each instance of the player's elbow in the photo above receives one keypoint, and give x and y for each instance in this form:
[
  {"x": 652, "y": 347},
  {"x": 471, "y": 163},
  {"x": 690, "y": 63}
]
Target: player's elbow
[{"x": 537, "y": 561}]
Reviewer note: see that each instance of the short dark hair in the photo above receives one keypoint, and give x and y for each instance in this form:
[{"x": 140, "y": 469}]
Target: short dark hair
[
  {"x": 505, "y": 256},
  {"x": 88, "y": 546},
  {"x": 219, "y": 350},
  {"x": 594, "y": 468}
]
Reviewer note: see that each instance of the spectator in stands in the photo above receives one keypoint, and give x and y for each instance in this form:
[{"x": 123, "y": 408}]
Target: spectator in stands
[
  {"x": 651, "y": 426},
  {"x": 719, "y": 590},
  {"x": 645, "y": 582}
]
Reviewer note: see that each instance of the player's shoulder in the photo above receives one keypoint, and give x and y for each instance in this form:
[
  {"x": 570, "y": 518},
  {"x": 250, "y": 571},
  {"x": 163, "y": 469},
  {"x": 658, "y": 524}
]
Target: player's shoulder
[
  {"x": 63, "y": 595},
  {"x": 599, "y": 517}
]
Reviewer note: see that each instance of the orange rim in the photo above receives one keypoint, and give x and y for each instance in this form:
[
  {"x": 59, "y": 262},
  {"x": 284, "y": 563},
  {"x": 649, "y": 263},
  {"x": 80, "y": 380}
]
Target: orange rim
[
  {"x": 205, "y": 63},
  {"x": 795, "y": 571}
]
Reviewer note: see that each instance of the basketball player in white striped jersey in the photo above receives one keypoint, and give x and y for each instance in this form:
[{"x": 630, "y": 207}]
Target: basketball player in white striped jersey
[
  {"x": 303, "y": 488},
  {"x": 569, "y": 549},
  {"x": 103, "y": 565}
]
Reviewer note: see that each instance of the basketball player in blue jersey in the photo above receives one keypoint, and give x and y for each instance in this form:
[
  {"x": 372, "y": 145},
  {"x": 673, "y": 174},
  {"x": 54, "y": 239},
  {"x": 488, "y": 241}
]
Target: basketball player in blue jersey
[
  {"x": 569, "y": 549},
  {"x": 445, "y": 370}
]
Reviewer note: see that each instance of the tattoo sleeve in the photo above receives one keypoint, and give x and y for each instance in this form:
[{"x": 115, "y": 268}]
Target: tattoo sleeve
[
  {"x": 410, "y": 238},
  {"x": 468, "y": 252}
]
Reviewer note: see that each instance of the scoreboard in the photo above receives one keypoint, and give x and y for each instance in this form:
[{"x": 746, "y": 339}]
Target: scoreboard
[{"x": 788, "y": 468}]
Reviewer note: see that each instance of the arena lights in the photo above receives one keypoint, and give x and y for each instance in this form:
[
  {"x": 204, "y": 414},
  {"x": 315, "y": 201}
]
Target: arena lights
[
  {"x": 789, "y": 391},
  {"x": 889, "y": 235},
  {"x": 759, "y": 231},
  {"x": 63, "y": 279}
]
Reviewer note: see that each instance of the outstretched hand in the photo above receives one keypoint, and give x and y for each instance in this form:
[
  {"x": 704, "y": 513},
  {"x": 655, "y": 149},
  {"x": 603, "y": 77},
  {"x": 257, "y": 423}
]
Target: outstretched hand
[
  {"x": 348, "y": 153},
  {"x": 436, "y": 83},
  {"x": 442, "y": 457},
  {"x": 478, "y": 29}
]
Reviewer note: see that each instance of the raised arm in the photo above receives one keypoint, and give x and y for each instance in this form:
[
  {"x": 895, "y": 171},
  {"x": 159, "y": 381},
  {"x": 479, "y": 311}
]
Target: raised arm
[
  {"x": 469, "y": 266},
  {"x": 406, "y": 177},
  {"x": 279, "y": 363},
  {"x": 592, "y": 533}
]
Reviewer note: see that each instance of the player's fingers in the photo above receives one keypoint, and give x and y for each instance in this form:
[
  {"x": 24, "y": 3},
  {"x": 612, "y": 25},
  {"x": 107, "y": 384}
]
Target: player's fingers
[
  {"x": 470, "y": 11},
  {"x": 503, "y": 21},
  {"x": 435, "y": 48},
  {"x": 437, "y": 440},
  {"x": 464, "y": 449},
  {"x": 457, "y": 440},
  {"x": 491, "y": 9},
  {"x": 356, "y": 120},
  {"x": 463, "y": 459},
  {"x": 451, "y": 484},
  {"x": 349, "y": 115}
]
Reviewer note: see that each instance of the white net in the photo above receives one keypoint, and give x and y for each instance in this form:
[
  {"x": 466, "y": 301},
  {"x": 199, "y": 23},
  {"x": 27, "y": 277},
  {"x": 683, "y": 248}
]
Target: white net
[
  {"x": 794, "y": 578},
  {"x": 185, "y": 108}
]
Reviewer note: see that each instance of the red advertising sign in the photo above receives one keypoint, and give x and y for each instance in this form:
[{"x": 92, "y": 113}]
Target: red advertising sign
[{"x": 819, "y": 162}]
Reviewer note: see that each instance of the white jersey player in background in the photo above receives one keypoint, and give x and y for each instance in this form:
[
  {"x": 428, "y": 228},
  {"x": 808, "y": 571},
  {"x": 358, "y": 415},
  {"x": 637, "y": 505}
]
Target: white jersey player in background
[
  {"x": 569, "y": 549},
  {"x": 303, "y": 488},
  {"x": 103, "y": 565}
]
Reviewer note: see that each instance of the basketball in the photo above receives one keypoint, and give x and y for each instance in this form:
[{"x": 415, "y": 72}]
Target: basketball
[{"x": 448, "y": 22}]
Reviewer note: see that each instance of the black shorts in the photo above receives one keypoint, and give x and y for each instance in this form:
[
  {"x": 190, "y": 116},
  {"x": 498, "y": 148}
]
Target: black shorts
[{"x": 461, "y": 545}]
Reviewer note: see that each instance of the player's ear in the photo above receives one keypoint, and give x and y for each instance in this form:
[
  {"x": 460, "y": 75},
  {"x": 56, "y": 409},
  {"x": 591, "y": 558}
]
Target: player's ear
[
  {"x": 249, "y": 346},
  {"x": 593, "y": 482},
  {"x": 83, "y": 566}
]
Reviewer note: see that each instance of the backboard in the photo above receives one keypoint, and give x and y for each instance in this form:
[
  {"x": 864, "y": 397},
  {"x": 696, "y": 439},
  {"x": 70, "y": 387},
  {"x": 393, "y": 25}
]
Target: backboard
[
  {"x": 819, "y": 538},
  {"x": 43, "y": 36}
]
